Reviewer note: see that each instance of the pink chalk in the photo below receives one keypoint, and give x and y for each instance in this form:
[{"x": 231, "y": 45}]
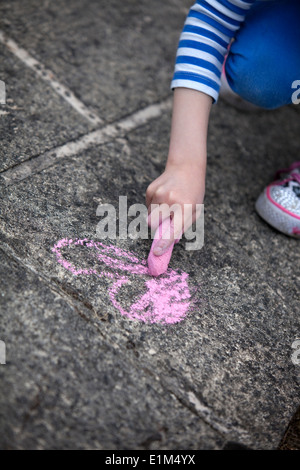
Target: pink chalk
[{"x": 159, "y": 264}]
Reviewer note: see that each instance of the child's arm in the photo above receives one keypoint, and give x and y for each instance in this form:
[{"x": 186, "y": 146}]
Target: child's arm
[
  {"x": 208, "y": 30},
  {"x": 183, "y": 181}
]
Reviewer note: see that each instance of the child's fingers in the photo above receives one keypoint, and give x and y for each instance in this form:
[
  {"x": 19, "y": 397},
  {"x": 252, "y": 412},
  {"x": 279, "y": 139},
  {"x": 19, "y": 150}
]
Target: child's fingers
[
  {"x": 149, "y": 196},
  {"x": 158, "y": 213},
  {"x": 172, "y": 233},
  {"x": 150, "y": 193},
  {"x": 180, "y": 221}
]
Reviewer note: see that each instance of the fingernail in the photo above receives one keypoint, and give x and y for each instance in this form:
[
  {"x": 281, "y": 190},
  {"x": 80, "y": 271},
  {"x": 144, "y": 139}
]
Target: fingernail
[{"x": 160, "y": 249}]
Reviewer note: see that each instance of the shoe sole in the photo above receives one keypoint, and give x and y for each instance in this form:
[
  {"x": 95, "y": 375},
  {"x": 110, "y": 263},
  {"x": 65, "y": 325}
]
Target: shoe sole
[{"x": 276, "y": 217}]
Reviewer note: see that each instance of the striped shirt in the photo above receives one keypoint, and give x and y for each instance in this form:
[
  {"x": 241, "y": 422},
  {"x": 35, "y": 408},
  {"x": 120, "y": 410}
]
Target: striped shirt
[{"x": 208, "y": 30}]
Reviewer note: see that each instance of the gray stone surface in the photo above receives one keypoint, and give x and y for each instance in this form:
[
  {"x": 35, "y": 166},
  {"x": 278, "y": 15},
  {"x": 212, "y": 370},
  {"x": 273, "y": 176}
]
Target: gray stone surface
[
  {"x": 35, "y": 118},
  {"x": 81, "y": 375},
  {"x": 116, "y": 56},
  {"x": 65, "y": 387},
  {"x": 230, "y": 358}
]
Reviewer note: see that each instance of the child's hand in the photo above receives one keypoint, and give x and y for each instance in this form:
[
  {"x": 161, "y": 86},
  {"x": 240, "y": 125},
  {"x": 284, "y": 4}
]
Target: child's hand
[
  {"x": 183, "y": 181},
  {"x": 180, "y": 184}
]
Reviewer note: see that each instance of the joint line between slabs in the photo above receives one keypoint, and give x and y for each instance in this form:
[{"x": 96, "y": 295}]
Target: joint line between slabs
[
  {"x": 97, "y": 137},
  {"x": 47, "y": 76}
]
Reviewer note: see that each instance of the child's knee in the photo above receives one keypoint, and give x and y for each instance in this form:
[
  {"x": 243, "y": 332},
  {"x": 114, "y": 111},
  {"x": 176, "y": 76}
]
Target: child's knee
[
  {"x": 264, "y": 59},
  {"x": 260, "y": 81}
]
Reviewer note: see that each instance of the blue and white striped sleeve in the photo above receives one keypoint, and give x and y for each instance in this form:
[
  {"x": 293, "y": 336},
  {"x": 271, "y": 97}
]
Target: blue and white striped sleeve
[{"x": 208, "y": 30}]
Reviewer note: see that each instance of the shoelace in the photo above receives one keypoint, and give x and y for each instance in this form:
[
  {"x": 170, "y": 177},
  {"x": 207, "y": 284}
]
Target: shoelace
[
  {"x": 293, "y": 173},
  {"x": 292, "y": 177},
  {"x": 294, "y": 166}
]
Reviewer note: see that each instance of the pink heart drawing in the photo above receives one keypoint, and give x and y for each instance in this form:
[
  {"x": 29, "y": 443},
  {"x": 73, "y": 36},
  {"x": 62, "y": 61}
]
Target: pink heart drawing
[{"x": 166, "y": 299}]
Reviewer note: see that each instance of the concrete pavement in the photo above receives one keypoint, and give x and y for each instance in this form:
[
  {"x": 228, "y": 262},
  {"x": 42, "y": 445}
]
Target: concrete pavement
[{"x": 86, "y": 120}]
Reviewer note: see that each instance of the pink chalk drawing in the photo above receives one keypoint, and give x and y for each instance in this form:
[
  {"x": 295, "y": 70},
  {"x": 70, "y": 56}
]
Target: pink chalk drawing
[{"x": 165, "y": 299}]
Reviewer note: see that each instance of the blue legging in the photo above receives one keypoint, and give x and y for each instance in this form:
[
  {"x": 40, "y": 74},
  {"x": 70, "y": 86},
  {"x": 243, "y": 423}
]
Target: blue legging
[{"x": 264, "y": 58}]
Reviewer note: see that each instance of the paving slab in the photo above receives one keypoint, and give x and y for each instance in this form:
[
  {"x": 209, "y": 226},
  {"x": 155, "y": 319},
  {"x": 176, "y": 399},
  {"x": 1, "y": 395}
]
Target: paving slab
[
  {"x": 34, "y": 119},
  {"x": 246, "y": 150},
  {"x": 229, "y": 359},
  {"x": 115, "y": 56},
  {"x": 65, "y": 387},
  {"x": 223, "y": 375}
]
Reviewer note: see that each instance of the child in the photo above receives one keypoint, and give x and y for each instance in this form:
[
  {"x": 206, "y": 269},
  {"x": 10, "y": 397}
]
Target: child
[{"x": 261, "y": 43}]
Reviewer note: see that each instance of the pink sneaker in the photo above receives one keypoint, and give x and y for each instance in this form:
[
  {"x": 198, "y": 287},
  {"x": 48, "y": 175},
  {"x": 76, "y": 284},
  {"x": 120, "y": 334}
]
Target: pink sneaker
[{"x": 279, "y": 204}]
